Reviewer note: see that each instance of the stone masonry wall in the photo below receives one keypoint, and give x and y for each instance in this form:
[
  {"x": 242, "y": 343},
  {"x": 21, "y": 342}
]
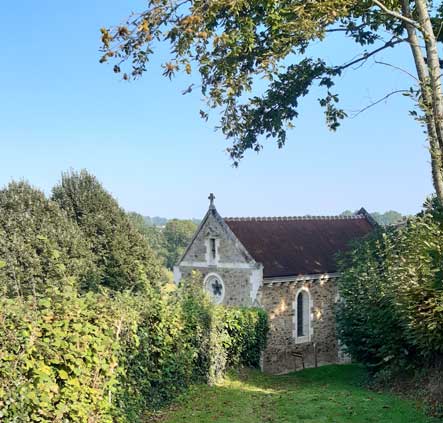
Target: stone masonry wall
[
  {"x": 278, "y": 301},
  {"x": 237, "y": 283},
  {"x": 228, "y": 251},
  {"x": 240, "y": 274}
]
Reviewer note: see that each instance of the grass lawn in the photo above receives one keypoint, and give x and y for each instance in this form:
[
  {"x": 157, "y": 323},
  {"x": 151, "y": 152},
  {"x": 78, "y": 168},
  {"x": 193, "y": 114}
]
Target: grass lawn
[{"x": 327, "y": 394}]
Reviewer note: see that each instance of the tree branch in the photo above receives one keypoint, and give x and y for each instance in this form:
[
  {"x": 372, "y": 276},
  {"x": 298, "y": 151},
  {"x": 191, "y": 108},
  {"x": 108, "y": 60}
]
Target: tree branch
[
  {"x": 347, "y": 28},
  {"x": 398, "y": 68},
  {"x": 366, "y": 56},
  {"x": 378, "y": 102},
  {"x": 396, "y": 14}
]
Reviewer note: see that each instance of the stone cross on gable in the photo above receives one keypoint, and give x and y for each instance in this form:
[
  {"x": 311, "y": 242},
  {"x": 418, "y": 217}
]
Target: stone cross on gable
[{"x": 211, "y": 199}]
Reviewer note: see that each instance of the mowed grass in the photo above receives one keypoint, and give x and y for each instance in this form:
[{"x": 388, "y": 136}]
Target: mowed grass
[{"x": 327, "y": 394}]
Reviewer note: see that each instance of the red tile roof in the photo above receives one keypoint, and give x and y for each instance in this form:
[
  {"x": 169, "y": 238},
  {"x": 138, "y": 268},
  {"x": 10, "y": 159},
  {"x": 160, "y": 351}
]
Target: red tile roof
[{"x": 288, "y": 246}]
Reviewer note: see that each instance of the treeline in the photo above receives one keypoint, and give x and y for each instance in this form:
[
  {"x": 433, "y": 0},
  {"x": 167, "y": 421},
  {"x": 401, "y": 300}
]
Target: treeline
[
  {"x": 391, "y": 312},
  {"x": 90, "y": 330},
  {"x": 168, "y": 241},
  {"x": 162, "y": 221},
  {"x": 390, "y": 217}
]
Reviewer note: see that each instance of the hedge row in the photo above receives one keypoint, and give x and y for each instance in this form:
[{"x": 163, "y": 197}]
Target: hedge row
[
  {"x": 100, "y": 358},
  {"x": 89, "y": 329},
  {"x": 391, "y": 284}
]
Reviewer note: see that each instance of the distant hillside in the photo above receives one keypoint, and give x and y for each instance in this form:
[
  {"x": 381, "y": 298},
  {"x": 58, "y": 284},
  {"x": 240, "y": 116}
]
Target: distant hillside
[
  {"x": 161, "y": 221},
  {"x": 155, "y": 221}
]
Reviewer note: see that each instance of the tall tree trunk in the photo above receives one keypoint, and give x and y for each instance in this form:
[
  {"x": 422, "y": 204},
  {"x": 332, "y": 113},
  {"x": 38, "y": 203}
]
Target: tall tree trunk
[
  {"x": 430, "y": 94},
  {"x": 433, "y": 63},
  {"x": 436, "y": 164}
]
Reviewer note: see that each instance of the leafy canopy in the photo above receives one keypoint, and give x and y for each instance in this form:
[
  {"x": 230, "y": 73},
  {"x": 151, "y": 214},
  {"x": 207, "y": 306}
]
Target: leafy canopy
[
  {"x": 39, "y": 245},
  {"x": 235, "y": 43},
  {"x": 170, "y": 241},
  {"x": 178, "y": 234},
  {"x": 122, "y": 255}
]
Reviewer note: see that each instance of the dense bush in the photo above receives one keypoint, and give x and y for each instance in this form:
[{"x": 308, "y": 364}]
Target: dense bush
[
  {"x": 247, "y": 329},
  {"x": 122, "y": 255},
  {"x": 182, "y": 338},
  {"x": 391, "y": 284},
  {"x": 95, "y": 358},
  {"x": 57, "y": 358},
  {"x": 39, "y": 244},
  {"x": 89, "y": 331}
]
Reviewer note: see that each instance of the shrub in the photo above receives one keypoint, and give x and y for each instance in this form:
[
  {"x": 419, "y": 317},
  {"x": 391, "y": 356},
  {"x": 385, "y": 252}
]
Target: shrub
[
  {"x": 392, "y": 290},
  {"x": 122, "y": 254},
  {"x": 224, "y": 336},
  {"x": 39, "y": 244},
  {"x": 159, "y": 362},
  {"x": 247, "y": 329},
  {"x": 182, "y": 338},
  {"x": 57, "y": 358},
  {"x": 98, "y": 358}
]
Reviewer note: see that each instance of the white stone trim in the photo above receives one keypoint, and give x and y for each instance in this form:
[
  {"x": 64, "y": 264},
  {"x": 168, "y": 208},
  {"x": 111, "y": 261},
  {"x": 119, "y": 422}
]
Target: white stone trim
[
  {"x": 301, "y": 278},
  {"x": 255, "y": 279},
  {"x": 215, "y": 275},
  {"x": 308, "y": 337},
  {"x": 177, "y": 274},
  {"x": 211, "y": 261}
]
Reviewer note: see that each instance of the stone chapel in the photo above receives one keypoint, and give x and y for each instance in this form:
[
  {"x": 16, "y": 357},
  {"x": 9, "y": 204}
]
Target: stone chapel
[{"x": 286, "y": 265}]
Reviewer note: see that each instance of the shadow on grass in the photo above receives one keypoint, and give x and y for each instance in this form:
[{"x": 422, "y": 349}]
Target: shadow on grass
[{"x": 327, "y": 394}]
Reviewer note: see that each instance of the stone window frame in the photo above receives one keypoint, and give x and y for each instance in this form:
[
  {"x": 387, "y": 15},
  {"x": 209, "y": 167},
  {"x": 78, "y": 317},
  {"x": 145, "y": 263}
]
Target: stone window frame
[
  {"x": 210, "y": 259},
  {"x": 308, "y": 315},
  {"x": 217, "y": 276}
]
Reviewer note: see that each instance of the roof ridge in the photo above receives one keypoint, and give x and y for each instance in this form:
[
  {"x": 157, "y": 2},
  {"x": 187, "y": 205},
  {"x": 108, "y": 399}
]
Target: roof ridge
[{"x": 289, "y": 218}]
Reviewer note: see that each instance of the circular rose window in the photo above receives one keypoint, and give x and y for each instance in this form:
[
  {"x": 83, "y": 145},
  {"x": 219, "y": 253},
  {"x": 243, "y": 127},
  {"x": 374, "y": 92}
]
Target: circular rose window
[{"x": 215, "y": 288}]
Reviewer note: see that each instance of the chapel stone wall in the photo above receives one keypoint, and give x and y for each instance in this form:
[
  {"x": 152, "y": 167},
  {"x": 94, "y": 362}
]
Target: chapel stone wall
[
  {"x": 240, "y": 274},
  {"x": 237, "y": 283},
  {"x": 278, "y": 301}
]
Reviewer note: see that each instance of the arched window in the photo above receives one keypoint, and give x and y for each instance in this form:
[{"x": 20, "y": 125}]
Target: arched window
[
  {"x": 215, "y": 287},
  {"x": 302, "y": 316}
]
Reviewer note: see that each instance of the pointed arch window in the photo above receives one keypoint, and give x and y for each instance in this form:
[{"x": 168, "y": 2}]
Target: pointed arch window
[{"x": 302, "y": 316}]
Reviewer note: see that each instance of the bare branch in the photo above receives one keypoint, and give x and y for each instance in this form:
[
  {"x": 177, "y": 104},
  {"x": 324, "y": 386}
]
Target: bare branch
[
  {"x": 396, "y": 14},
  {"x": 398, "y": 68},
  {"x": 366, "y": 56},
  {"x": 378, "y": 102}
]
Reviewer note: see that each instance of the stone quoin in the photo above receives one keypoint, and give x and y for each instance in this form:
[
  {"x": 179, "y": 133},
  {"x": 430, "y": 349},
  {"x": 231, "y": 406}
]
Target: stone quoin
[{"x": 286, "y": 265}]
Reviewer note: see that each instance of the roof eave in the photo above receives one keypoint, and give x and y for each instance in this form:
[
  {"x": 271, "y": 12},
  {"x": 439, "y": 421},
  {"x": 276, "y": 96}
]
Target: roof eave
[{"x": 270, "y": 280}]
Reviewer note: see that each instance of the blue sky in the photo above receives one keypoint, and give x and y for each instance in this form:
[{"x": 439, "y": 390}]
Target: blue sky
[{"x": 61, "y": 109}]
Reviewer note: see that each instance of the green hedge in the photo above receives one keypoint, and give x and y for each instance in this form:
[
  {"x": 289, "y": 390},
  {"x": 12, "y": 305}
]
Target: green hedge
[
  {"x": 39, "y": 244},
  {"x": 58, "y": 358},
  {"x": 391, "y": 284},
  {"x": 101, "y": 358}
]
